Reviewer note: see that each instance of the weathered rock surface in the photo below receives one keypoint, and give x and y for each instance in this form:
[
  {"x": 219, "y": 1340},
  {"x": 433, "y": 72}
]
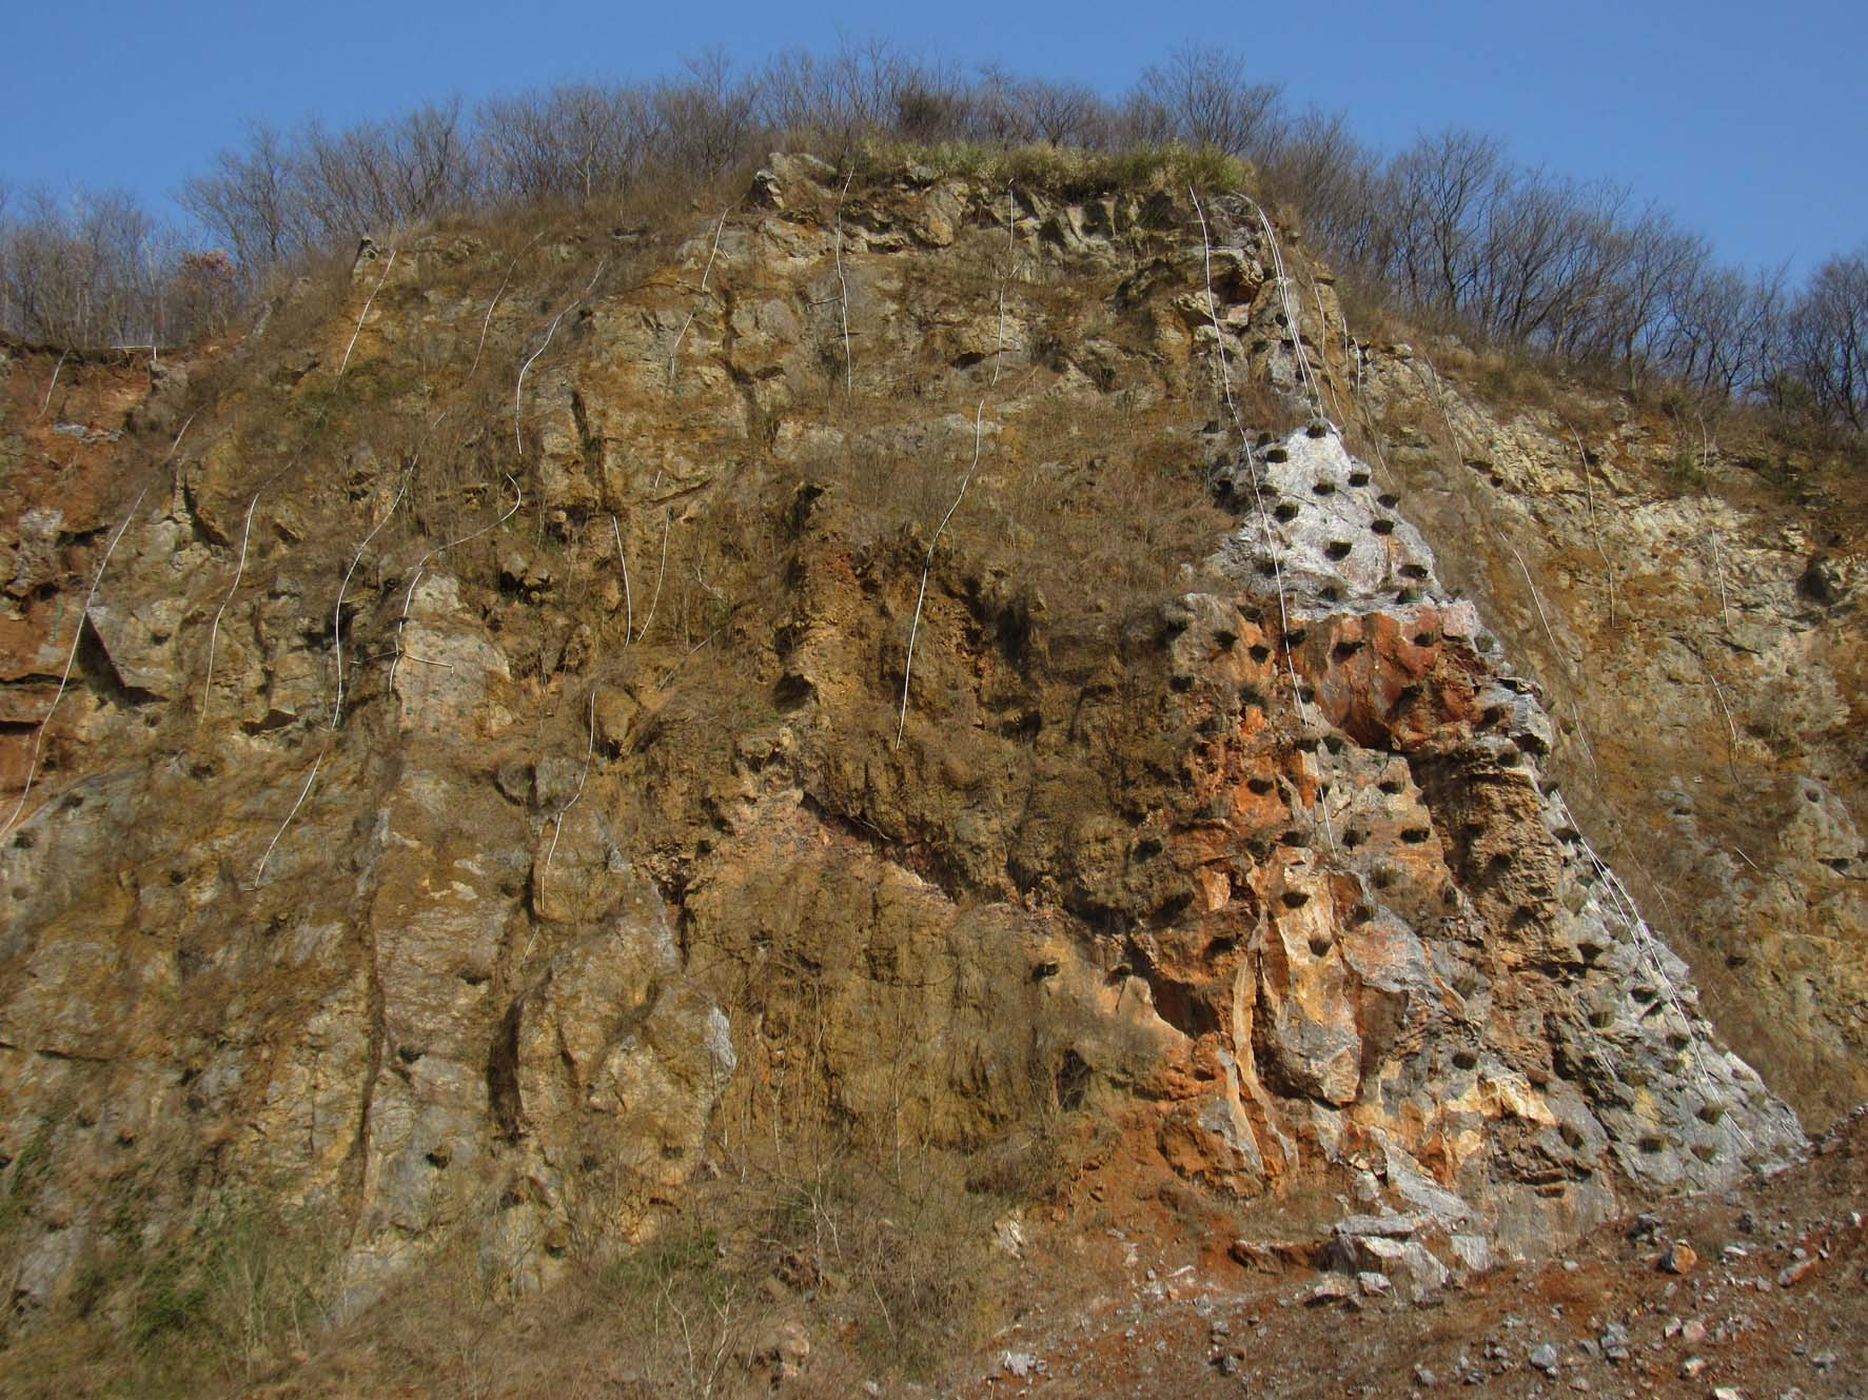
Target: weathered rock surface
[{"x": 456, "y": 825}]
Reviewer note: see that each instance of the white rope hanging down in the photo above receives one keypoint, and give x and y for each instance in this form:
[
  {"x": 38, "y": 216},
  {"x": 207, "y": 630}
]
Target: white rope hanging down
[
  {"x": 1595, "y": 528},
  {"x": 843, "y": 292},
  {"x": 77, "y": 639},
  {"x": 246, "y": 533},
  {"x": 1292, "y": 321},
  {"x": 62, "y": 355},
  {"x": 304, "y": 792},
  {"x": 590, "y": 748},
  {"x": 337, "y": 612},
  {"x": 518, "y": 499},
  {"x": 706, "y": 272},
  {"x": 366, "y": 311},
  {"x": 927, "y": 566},
  {"x": 488, "y": 321},
  {"x": 629, "y": 599},
  {"x": 979, "y": 429},
  {"x": 1005, "y": 275},
  {"x": 1272, "y": 550},
  {"x": 660, "y": 574},
  {"x": 518, "y": 441}
]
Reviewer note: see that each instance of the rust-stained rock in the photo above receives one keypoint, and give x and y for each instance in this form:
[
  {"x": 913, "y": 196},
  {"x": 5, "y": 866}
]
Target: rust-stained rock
[{"x": 635, "y": 831}]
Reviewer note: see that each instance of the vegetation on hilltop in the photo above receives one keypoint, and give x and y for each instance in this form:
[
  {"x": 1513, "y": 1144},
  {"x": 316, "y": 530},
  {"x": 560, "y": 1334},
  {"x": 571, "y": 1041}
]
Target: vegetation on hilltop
[{"x": 1450, "y": 230}]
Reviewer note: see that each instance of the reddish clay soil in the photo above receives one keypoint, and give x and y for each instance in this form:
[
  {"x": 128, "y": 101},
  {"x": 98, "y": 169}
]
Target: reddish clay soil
[{"x": 1770, "y": 1301}]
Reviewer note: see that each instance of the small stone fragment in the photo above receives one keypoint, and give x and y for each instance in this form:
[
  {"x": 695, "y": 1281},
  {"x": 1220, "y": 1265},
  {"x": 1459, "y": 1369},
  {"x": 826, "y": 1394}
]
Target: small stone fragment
[
  {"x": 1679, "y": 1258},
  {"x": 1332, "y": 1288},
  {"x": 1019, "y": 1364},
  {"x": 1793, "y": 1274}
]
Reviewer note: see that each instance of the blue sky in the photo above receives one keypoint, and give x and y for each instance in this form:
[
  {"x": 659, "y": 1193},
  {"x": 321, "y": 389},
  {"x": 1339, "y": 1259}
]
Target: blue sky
[{"x": 1749, "y": 122}]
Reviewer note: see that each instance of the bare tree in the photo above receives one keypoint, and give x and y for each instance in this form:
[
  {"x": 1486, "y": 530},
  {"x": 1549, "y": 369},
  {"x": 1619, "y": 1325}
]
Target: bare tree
[
  {"x": 705, "y": 121},
  {"x": 252, "y": 202},
  {"x": 1201, "y": 97},
  {"x": 1828, "y": 340},
  {"x": 578, "y": 143},
  {"x": 90, "y": 270},
  {"x": 1450, "y": 228}
]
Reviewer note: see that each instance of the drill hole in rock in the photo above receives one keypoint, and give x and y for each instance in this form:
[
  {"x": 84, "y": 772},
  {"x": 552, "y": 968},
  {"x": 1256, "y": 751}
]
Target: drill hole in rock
[
  {"x": 1424, "y": 639},
  {"x": 1414, "y": 571},
  {"x": 1336, "y": 549},
  {"x": 1259, "y": 786},
  {"x": 1317, "y": 430},
  {"x": 1330, "y": 593},
  {"x": 1416, "y": 835},
  {"x": 1320, "y": 945},
  {"x": 1267, "y": 568},
  {"x": 1383, "y": 527},
  {"x": 1323, "y": 488},
  {"x": 1259, "y": 652},
  {"x": 1407, "y": 596},
  {"x": 1295, "y": 899},
  {"x": 1277, "y": 454},
  {"x": 1358, "y": 478},
  {"x": 1391, "y": 786},
  {"x": 1342, "y": 651},
  {"x": 1286, "y": 511},
  {"x": 1387, "y": 500}
]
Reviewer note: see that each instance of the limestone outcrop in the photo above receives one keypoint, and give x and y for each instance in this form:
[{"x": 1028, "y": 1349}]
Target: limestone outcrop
[{"x": 839, "y": 664}]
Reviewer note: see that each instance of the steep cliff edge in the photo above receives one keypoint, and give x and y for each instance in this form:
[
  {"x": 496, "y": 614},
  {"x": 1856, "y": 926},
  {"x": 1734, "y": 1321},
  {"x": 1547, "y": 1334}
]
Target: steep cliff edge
[{"x": 553, "y": 724}]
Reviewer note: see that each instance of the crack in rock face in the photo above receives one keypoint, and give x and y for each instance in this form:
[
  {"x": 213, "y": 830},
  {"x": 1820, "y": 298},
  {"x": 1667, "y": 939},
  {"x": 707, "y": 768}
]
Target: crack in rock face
[{"x": 1441, "y": 993}]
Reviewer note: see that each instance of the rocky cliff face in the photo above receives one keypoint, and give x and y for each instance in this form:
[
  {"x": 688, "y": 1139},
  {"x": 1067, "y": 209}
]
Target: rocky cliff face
[
  {"x": 1692, "y": 609},
  {"x": 527, "y": 734}
]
